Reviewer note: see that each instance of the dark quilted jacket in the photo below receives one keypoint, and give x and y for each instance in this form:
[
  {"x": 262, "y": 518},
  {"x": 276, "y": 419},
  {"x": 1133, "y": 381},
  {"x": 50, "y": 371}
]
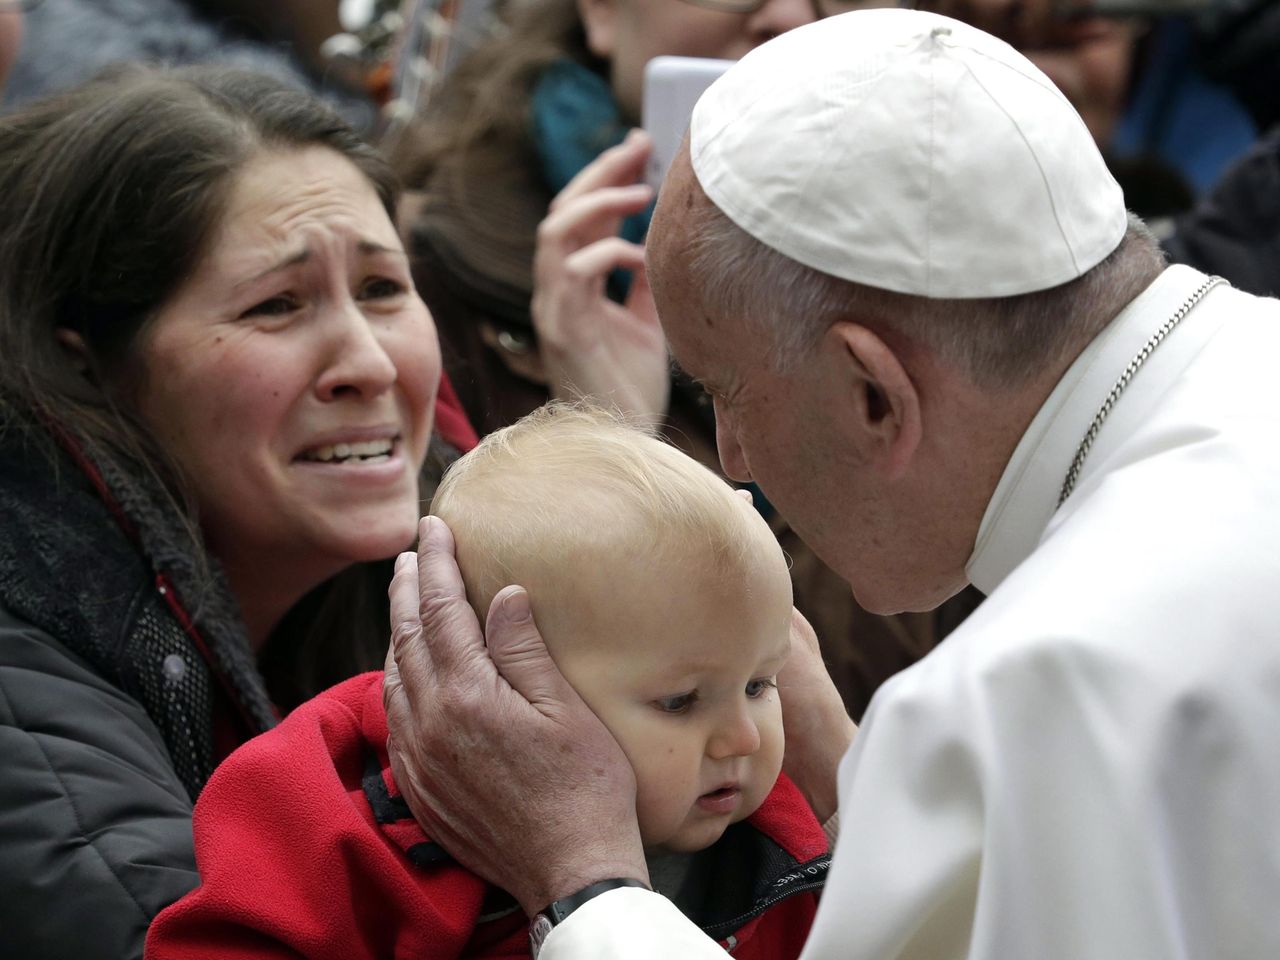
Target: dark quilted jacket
[{"x": 113, "y": 650}]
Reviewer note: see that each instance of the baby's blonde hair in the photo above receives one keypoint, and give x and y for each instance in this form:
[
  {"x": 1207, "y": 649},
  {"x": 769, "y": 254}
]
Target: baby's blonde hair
[{"x": 573, "y": 484}]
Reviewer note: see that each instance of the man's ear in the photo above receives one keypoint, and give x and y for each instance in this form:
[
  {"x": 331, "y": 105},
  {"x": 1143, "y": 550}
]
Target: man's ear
[
  {"x": 75, "y": 347},
  {"x": 885, "y": 403},
  {"x": 600, "y": 23}
]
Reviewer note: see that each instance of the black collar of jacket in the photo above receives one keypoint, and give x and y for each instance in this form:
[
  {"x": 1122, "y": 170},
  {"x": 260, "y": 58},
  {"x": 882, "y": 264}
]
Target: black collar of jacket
[{"x": 115, "y": 590}]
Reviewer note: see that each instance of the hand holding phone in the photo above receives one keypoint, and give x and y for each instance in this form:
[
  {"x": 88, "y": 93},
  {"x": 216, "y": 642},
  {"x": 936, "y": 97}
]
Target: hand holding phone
[{"x": 672, "y": 85}]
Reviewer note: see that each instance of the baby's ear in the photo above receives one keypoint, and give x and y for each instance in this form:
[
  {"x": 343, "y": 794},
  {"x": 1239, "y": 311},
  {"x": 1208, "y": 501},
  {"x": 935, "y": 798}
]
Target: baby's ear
[
  {"x": 75, "y": 348},
  {"x": 746, "y": 495}
]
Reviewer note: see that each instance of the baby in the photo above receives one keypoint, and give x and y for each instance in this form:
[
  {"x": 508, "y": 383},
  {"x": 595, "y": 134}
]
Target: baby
[{"x": 664, "y": 600}]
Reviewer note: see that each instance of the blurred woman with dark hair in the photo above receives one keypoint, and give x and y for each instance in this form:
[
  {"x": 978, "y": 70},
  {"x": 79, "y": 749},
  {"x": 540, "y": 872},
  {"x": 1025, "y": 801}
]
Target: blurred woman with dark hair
[
  {"x": 216, "y": 402},
  {"x": 516, "y": 121}
]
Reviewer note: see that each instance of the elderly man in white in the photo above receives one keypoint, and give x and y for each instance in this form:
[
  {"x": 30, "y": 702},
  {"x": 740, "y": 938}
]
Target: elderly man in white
[{"x": 947, "y": 355}]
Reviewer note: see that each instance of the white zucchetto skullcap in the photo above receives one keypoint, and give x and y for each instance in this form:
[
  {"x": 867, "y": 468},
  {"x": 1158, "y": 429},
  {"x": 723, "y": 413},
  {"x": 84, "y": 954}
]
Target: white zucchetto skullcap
[{"x": 910, "y": 152}]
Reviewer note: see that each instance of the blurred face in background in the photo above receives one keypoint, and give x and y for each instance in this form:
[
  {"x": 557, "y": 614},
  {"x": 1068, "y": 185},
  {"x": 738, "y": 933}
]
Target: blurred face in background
[
  {"x": 630, "y": 33},
  {"x": 1089, "y": 58}
]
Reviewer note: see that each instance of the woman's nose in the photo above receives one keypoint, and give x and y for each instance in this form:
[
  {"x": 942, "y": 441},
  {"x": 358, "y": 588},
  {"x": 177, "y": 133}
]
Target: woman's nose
[
  {"x": 358, "y": 362},
  {"x": 735, "y": 735}
]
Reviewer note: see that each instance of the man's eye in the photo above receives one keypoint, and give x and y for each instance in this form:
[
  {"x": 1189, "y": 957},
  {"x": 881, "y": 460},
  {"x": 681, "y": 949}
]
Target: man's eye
[
  {"x": 380, "y": 288},
  {"x": 273, "y": 307},
  {"x": 760, "y": 686},
  {"x": 680, "y": 703}
]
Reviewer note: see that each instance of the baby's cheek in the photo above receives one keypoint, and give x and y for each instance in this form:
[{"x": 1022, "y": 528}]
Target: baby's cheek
[
  {"x": 772, "y": 745},
  {"x": 661, "y": 768},
  {"x": 766, "y": 766},
  {"x": 666, "y": 787}
]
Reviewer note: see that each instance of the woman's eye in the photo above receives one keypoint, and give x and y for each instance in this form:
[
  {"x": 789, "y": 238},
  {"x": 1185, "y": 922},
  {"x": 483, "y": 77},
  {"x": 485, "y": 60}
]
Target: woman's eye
[
  {"x": 760, "y": 686},
  {"x": 680, "y": 703},
  {"x": 380, "y": 288},
  {"x": 273, "y": 307}
]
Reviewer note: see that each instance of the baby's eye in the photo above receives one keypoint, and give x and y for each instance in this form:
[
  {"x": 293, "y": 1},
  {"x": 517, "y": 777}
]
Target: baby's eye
[
  {"x": 380, "y": 288},
  {"x": 680, "y": 703},
  {"x": 760, "y": 686},
  {"x": 273, "y": 307}
]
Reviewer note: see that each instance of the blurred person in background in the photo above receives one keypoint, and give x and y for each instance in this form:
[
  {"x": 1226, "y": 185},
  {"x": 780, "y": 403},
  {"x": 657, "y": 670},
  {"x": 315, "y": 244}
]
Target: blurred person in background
[
  {"x": 530, "y": 310},
  {"x": 1147, "y": 78},
  {"x": 1235, "y": 230},
  {"x": 1174, "y": 93},
  {"x": 554, "y": 87},
  {"x": 69, "y": 41}
]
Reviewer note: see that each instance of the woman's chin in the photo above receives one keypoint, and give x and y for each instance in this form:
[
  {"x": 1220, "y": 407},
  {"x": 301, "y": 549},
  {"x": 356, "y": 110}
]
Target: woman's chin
[{"x": 363, "y": 539}]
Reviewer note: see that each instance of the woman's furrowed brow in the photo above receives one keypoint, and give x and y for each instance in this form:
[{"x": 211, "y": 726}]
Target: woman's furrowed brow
[
  {"x": 364, "y": 247},
  {"x": 291, "y": 260}
]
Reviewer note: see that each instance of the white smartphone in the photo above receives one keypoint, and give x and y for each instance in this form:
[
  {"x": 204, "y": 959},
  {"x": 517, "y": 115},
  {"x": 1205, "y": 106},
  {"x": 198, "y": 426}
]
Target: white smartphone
[{"x": 672, "y": 85}]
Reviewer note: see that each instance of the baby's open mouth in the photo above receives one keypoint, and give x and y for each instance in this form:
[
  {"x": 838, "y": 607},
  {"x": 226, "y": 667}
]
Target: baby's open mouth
[
  {"x": 721, "y": 793},
  {"x": 369, "y": 451},
  {"x": 722, "y": 800}
]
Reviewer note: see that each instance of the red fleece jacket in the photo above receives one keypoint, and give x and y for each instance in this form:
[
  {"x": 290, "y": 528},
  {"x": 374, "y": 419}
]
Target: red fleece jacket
[{"x": 305, "y": 848}]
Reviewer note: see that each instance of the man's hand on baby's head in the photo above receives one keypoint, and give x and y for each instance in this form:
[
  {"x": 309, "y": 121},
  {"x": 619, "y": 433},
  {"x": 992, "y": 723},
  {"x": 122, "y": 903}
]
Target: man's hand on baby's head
[{"x": 473, "y": 724}]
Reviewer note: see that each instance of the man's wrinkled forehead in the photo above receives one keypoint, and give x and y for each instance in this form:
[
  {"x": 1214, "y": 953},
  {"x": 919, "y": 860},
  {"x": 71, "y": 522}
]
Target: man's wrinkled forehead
[
  {"x": 698, "y": 337},
  {"x": 671, "y": 241}
]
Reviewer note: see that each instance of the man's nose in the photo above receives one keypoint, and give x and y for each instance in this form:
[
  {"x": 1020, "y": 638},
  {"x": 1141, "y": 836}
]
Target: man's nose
[
  {"x": 358, "y": 363},
  {"x": 735, "y": 735}
]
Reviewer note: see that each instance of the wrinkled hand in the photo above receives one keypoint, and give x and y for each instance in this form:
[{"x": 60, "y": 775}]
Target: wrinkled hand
[
  {"x": 818, "y": 728},
  {"x": 592, "y": 346},
  {"x": 498, "y": 758}
]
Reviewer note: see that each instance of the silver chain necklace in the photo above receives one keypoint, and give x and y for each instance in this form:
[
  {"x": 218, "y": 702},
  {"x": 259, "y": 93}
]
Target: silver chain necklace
[{"x": 1073, "y": 474}]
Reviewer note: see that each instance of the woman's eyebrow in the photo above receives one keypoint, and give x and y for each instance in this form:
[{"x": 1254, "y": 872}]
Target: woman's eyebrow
[
  {"x": 291, "y": 260},
  {"x": 365, "y": 247}
]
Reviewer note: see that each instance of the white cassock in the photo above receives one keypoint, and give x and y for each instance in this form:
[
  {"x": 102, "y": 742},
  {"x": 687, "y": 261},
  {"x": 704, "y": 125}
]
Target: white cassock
[{"x": 1089, "y": 768}]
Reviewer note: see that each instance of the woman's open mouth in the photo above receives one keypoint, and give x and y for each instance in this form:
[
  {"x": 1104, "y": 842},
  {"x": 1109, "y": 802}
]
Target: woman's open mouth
[{"x": 366, "y": 452}]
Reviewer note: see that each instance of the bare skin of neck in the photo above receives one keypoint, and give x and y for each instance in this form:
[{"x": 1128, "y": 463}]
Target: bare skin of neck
[
  {"x": 265, "y": 596},
  {"x": 970, "y": 435}
]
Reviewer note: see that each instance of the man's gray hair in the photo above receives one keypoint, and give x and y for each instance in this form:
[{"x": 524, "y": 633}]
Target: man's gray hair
[{"x": 998, "y": 342}]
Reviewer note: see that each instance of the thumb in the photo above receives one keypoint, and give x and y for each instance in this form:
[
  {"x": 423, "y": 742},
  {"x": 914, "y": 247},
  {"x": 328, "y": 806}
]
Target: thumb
[{"x": 519, "y": 653}]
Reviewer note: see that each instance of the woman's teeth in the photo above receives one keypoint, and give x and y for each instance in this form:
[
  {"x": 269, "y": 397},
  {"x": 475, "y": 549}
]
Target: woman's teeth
[{"x": 372, "y": 451}]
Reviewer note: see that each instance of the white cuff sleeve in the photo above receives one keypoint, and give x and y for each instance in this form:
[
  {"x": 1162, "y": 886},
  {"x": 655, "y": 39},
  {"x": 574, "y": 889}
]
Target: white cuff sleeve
[
  {"x": 832, "y": 829},
  {"x": 627, "y": 924}
]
